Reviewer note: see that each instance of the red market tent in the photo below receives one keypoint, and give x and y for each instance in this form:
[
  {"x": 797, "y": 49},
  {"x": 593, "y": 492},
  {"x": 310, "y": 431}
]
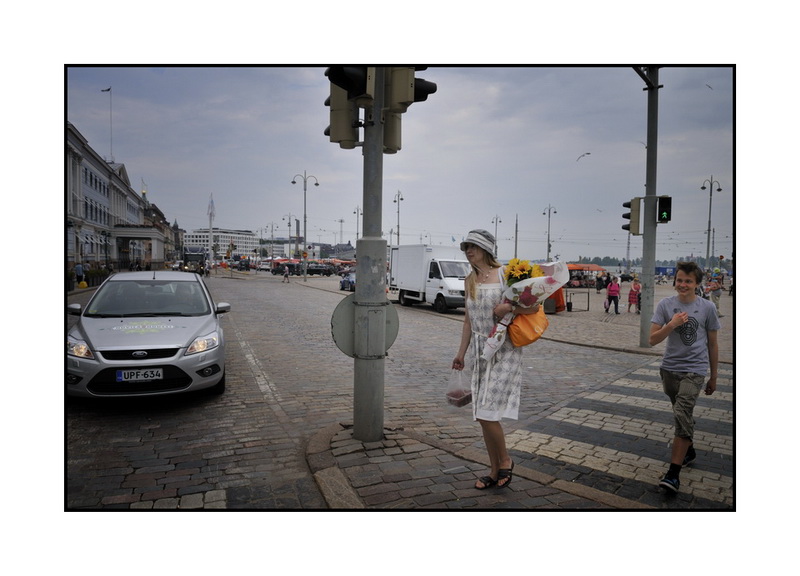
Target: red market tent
[{"x": 585, "y": 268}]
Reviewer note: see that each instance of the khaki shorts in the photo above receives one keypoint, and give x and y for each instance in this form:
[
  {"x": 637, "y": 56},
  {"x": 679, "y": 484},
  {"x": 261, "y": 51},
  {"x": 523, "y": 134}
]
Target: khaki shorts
[{"x": 683, "y": 388}]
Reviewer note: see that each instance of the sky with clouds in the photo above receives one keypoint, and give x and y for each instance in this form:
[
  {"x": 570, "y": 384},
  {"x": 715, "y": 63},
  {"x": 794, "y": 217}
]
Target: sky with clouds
[{"x": 492, "y": 146}]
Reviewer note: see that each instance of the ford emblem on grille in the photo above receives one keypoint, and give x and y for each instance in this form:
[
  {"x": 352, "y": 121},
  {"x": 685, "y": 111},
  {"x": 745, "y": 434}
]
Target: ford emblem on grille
[{"x": 139, "y": 354}]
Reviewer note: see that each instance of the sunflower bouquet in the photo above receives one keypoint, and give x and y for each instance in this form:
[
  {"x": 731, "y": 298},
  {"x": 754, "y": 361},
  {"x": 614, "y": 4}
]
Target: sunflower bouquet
[
  {"x": 516, "y": 272},
  {"x": 527, "y": 284}
]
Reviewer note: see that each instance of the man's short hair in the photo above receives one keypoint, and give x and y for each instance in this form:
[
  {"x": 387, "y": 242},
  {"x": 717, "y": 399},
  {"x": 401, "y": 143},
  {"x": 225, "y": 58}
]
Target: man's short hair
[{"x": 691, "y": 268}]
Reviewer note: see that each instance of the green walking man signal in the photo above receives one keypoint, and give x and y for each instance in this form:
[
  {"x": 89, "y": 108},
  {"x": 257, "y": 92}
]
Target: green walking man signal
[{"x": 664, "y": 213}]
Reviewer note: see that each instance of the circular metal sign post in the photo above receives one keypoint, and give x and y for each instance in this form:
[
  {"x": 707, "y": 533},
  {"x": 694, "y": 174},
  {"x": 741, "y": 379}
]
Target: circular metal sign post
[{"x": 343, "y": 326}]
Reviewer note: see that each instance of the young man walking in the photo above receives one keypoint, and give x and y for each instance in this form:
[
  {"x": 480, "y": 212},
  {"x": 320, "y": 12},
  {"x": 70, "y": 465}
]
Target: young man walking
[{"x": 690, "y": 325}]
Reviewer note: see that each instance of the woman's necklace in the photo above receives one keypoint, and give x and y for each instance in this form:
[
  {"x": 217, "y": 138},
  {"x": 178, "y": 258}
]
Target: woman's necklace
[{"x": 485, "y": 276}]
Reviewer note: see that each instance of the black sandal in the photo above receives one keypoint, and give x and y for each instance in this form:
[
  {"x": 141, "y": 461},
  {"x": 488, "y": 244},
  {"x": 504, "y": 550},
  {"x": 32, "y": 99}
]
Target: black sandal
[
  {"x": 488, "y": 482},
  {"x": 505, "y": 473}
]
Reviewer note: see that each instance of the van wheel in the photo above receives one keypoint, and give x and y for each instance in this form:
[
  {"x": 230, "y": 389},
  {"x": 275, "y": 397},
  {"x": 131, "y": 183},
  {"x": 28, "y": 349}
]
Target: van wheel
[
  {"x": 403, "y": 300},
  {"x": 440, "y": 305}
]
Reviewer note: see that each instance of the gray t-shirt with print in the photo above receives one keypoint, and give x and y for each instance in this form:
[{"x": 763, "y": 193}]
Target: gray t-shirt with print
[{"x": 687, "y": 345}]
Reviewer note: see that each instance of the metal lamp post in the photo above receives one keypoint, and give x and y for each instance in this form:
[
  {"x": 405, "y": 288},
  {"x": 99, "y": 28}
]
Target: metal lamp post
[
  {"x": 547, "y": 211},
  {"x": 358, "y": 214},
  {"x": 305, "y": 178},
  {"x": 496, "y": 220},
  {"x": 397, "y": 198},
  {"x": 711, "y": 182}
]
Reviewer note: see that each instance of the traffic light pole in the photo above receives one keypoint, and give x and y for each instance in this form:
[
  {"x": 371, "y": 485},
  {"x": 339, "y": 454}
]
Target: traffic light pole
[
  {"x": 370, "y": 295},
  {"x": 650, "y": 76}
]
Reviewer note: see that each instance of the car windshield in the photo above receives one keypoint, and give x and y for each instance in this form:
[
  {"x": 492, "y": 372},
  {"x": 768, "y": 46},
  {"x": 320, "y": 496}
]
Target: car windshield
[
  {"x": 454, "y": 269},
  {"x": 126, "y": 298}
]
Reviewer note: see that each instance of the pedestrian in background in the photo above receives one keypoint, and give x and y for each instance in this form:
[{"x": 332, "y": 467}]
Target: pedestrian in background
[
  {"x": 690, "y": 325},
  {"x": 634, "y": 296},
  {"x": 496, "y": 383},
  {"x": 714, "y": 289},
  {"x": 285, "y": 274},
  {"x": 612, "y": 293},
  {"x": 79, "y": 274}
]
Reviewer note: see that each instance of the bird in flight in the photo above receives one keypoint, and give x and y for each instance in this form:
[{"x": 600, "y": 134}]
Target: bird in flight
[{"x": 582, "y": 155}]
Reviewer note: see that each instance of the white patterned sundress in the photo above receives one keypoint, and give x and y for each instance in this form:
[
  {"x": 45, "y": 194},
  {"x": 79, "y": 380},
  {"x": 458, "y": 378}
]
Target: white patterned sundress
[{"x": 496, "y": 382}]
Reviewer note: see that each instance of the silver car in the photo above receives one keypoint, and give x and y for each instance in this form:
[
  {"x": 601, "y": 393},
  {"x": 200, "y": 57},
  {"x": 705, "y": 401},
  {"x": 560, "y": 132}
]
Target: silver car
[{"x": 146, "y": 333}]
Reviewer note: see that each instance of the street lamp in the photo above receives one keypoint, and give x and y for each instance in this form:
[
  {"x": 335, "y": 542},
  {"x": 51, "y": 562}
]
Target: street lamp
[
  {"x": 305, "y": 178},
  {"x": 292, "y": 219},
  {"x": 358, "y": 212},
  {"x": 711, "y": 182},
  {"x": 547, "y": 211},
  {"x": 397, "y": 198},
  {"x": 271, "y": 251},
  {"x": 496, "y": 220}
]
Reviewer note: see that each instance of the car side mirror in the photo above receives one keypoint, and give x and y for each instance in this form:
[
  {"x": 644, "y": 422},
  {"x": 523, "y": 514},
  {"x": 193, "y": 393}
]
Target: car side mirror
[
  {"x": 223, "y": 307},
  {"x": 74, "y": 309}
]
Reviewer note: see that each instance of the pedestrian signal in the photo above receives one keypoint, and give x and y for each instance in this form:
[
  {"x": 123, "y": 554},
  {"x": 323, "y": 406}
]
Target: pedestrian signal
[{"x": 664, "y": 209}]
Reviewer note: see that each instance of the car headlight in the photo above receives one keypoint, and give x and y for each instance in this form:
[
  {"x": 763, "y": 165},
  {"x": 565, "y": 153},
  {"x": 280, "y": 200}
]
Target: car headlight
[
  {"x": 203, "y": 343},
  {"x": 78, "y": 348}
]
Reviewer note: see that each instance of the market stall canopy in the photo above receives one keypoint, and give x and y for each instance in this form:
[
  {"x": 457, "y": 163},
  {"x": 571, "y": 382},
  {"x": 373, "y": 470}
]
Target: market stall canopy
[{"x": 585, "y": 267}]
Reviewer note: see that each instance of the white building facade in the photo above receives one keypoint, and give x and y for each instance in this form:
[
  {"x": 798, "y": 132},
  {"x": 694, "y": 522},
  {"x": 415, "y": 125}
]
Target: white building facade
[
  {"x": 240, "y": 243},
  {"x": 107, "y": 221}
]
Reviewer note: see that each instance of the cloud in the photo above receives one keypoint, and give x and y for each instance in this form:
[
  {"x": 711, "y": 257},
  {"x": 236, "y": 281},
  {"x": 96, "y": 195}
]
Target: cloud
[{"x": 491, "y": 142}]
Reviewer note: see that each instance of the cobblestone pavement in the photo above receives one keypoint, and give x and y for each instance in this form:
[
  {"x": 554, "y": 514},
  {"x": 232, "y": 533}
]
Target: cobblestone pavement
[{"x": 594, "y": 429}]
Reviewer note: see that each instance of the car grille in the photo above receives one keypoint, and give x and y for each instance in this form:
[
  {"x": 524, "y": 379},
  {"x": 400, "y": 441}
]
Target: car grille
[
  {"x": 105, "y": 383},
  {"x": 129, "y": 354}
]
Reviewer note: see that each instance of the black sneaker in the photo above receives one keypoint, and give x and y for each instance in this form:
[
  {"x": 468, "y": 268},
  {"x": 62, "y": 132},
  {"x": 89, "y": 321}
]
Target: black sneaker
[
  {"x": 690, "y": 457},
  {"x": 671, "y": 484}
]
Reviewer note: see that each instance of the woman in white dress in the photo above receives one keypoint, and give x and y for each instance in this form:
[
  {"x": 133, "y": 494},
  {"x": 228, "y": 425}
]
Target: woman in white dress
[{"x": 495, "y": 382}]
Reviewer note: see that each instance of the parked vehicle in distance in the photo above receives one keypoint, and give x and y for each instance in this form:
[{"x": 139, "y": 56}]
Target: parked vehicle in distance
[
  {"x": 433, "y": 274},
  {"x": 177, "y": 265},
  {"x": 320, "y": 269},
  {"x": 146, "y": 334},
  {"x": 294, "y": 269},
  {"x": 348, "y": 282},
  {"x": 265, "y": 266}
]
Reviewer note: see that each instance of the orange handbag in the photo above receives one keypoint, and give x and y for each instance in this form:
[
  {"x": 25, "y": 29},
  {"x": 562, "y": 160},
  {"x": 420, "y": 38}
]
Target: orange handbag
[{"x": 527, "y": 328}]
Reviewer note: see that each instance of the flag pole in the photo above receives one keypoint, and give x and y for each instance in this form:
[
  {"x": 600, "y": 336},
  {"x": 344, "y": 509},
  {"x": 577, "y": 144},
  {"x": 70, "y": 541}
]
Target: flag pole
[
  {"x": 110, "y": 121},
  {"x": 211, "y": 212}
]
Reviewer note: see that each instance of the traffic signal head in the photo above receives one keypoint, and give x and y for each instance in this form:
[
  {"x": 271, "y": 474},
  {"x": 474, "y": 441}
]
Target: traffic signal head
[
  {"x": 354, "y": 86},
  {"x": 404, "y": 88},
  {"x": 422, "y": 88},
  {"x": 344, "y": 118},
  {"x": 392, "y": 132},
  {"x": 400, "y": 85},
  {"x": 633, "y": 216},
  {"x": 357, "y": 81},
  {"x": 664, "y": 209}
]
